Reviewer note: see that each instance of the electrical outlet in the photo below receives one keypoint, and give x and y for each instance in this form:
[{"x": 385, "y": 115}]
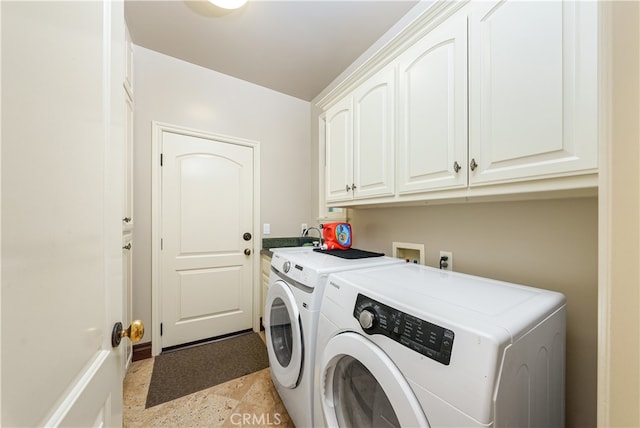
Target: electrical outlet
[
  {"x": 446, "y": 260},
  {"x": 303, "y": 228}
]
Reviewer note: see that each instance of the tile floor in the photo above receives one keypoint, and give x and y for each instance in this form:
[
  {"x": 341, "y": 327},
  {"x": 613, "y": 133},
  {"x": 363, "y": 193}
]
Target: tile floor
[{"x": 249, "y": 401}]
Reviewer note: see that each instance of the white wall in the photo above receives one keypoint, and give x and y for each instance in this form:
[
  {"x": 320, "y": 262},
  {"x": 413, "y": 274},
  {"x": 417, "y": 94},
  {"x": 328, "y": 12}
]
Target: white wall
[
  {"x": 551, "y": 244},
  {"x": 179, "y": 93},
  {"x": 619, "y": 319}
]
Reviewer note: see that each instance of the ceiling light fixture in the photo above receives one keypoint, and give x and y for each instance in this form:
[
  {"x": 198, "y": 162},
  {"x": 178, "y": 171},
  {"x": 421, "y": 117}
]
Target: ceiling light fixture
[{"x": 228, "y": 4}]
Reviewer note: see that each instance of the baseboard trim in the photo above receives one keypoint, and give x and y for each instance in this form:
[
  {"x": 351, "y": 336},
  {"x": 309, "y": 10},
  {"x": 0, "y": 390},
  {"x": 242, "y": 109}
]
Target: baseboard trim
[{"x": 142, "y": 351}]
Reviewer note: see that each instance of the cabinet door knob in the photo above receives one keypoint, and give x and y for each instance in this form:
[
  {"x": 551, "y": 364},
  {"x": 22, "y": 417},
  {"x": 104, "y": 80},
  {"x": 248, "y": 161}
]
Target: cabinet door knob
[
  {"x": 456, "y": 166},
  {"x": 353, "y": 186},
  {"x": 473, "y": 165},
  {"x": 127, "y": 219},
  {"x": 127, "y": 247},
  {"x": 346, "y": 187}
]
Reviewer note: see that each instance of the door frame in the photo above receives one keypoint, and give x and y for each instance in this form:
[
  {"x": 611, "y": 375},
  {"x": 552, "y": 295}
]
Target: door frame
[{"x": 156, "y": 221}]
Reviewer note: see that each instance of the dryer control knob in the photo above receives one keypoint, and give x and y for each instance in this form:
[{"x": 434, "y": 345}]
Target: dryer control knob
[{"x": 367, "y": 318}]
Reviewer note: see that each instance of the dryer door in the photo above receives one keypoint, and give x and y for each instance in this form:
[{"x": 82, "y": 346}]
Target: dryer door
[
  {"x": 362, "y": 387},
  {"x": 283, "y": 334}
]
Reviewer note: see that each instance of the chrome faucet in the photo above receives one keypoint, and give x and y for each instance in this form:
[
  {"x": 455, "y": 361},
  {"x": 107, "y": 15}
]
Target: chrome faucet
[{"x": 306, "y": 232}]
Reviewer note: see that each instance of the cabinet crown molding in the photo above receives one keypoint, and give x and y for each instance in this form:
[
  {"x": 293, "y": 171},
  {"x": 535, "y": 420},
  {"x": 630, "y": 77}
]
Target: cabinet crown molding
[{"x": 414, "y": 31}]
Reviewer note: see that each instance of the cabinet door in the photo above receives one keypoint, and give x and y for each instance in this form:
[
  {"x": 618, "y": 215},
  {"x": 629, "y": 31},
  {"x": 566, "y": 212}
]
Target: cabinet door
[
  {"x": 265, "y": 269},
  {"x": 127, "y": 295},
  {"x": 532, "y": 90},
  {"x": 127, "y": 206},
  {"x": 433, "y": 110},
  {"x": 373, "y": 136},
  {"x": 339, "y": 151}
]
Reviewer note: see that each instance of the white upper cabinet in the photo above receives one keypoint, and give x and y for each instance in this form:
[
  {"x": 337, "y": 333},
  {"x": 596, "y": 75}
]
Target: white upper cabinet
[
  {"x": 373, "y": 138},
  {"x": 339, "y": 150},
  {"x": 494, "y": 98},
  {"x": 360, "y": 146},
  {"x": 532, "y": 90},
  {"x": 432, "y": 152}
]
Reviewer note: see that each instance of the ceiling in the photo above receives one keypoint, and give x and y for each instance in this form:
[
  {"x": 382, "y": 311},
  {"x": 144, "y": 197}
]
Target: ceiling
[{"x": 296, "y": 47}]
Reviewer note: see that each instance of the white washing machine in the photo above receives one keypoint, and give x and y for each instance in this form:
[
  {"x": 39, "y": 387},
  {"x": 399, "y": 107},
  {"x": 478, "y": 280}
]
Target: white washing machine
[
  {"x": 413, "y": 346},
  {"x": 296, "y": 283}
]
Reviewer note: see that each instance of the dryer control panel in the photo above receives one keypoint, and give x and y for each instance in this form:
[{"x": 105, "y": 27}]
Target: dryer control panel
[{"x": 422, "y": 336}]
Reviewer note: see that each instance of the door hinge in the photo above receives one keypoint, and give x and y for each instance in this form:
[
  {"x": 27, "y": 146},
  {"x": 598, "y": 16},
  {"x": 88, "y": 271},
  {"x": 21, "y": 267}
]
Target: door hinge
[
  {"x": 160, "y": 159},
  {"x": 160, "y": 329},
  {"x": 161, "y": 244}
]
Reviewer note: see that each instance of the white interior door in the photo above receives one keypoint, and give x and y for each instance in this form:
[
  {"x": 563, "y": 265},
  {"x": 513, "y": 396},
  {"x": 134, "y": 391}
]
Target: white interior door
[
  {"x": 207, "y": 262},
  {"x": 62, "y": 136}
]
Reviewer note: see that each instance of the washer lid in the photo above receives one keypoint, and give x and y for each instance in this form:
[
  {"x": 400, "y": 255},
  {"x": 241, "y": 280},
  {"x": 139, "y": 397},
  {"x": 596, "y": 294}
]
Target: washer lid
[{"x": 306, "y": 266}]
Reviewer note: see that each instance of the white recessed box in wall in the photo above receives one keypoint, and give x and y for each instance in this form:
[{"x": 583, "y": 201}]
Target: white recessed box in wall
[{"x": 413, "y": 253}]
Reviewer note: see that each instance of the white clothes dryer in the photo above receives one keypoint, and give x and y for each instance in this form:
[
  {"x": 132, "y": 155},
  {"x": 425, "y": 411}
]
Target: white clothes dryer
[
  {"x": 296, "y": 284},
  {"x": 413, "y": 346}
]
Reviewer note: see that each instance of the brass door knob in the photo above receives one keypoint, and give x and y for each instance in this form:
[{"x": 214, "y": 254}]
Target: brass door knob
[
  {"x": 247, "y": 251},
  {"x": 134, "y": 333}
]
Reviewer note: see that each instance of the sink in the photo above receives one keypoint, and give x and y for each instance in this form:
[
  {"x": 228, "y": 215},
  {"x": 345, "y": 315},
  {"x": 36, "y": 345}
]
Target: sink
[{"x": 294, "y": 241}]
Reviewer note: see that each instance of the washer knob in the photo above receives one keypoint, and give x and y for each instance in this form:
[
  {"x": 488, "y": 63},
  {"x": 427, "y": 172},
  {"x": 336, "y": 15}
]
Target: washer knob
[
  {"x": 286, "y": 266},
  {"x": 367, "y": 318}
]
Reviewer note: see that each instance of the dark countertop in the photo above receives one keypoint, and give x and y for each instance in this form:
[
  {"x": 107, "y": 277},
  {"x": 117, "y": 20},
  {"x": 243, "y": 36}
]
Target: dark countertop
[{"x": 295, "y": 241}]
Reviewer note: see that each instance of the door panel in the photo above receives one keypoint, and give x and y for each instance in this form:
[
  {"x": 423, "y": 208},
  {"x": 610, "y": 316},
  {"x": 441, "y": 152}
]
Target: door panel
[
  {"x": 209, "y": 224},
  {"x": 205, "y": 292},
  {"x": 62, "y": 168},
  {"x": 207, "y": 206}
]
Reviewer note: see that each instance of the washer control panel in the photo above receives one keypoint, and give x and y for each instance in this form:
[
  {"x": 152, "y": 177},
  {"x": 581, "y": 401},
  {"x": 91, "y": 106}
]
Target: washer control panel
[{"x": 419, "y": 335}]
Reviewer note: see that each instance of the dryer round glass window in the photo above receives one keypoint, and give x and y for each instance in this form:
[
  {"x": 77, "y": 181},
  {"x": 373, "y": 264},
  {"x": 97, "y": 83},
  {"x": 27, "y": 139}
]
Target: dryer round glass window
[
  {"x": 360, "y": 399},
  {"x": 363, "y": 387},
  {"x": 284, "y": 335},
  {"x": 281, "y": 332}
]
